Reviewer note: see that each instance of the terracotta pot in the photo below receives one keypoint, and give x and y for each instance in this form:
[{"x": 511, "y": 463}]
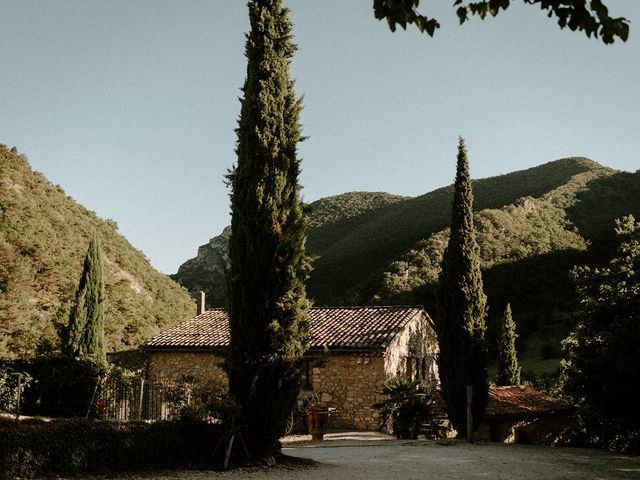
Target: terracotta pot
[{"x": 318, "y": 422}]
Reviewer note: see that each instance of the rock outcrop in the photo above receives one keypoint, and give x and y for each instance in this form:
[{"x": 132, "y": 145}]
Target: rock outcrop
[{"x": 205, "y": 272}]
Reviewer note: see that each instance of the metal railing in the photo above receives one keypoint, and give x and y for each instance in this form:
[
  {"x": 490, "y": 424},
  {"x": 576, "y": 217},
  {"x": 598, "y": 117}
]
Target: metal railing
[
  {"x": 133, "y": 399},
  {"x": 115, "y": 397},
  {"x": 12, "y": 386}
]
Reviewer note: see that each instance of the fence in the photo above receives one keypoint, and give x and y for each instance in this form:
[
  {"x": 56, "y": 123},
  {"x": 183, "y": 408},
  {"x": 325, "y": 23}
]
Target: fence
[
  {"x": 12, "y": 386},
  {"x": 135, "y": 399},
  {"x": 115, "y": 397}
]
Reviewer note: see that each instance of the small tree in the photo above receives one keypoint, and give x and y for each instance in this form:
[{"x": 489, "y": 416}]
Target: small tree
[
  {"x": 602, "y": 354},
  {"x": 84, "y": 335},
  {"x": 462, "y": 310},
  {"x": 508, "y": 368}
]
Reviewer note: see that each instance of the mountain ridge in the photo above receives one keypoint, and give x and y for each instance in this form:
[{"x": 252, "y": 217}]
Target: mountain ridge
[
  {"x": 335, "y": 240},
  {"x": 370, "y": 248},
  {"x": 533, "y": 225}
]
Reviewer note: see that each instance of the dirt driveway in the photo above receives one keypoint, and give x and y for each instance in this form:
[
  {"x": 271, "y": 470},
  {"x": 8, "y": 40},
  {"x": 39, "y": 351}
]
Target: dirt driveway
[{"x": 356, "y": 457}]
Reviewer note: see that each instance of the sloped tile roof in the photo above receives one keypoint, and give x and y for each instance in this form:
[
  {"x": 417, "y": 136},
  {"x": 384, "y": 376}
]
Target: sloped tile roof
[
  {"x": 368, "y": 328},
  {"x": 504, "y": 401},
  {"x": 358, "y": 327},
  {"x": 207, "y": 330},
  {"x": 519, "y": 401}
]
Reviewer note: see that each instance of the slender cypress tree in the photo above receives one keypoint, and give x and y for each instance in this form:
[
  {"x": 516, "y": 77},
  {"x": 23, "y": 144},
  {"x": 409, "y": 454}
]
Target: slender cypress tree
[
  {"x": 462, "y": 309},
  {"x": 268, "y": 265},
  {"x": 508, "y": 369},
  {"x": 85, "y": 331}
]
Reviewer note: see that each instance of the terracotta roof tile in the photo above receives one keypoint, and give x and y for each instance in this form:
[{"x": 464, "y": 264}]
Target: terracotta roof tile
[
  {"x": 370, "y": 328},
  {"x": 209, "y": 329},
  {"x": 521, "y": 400}
]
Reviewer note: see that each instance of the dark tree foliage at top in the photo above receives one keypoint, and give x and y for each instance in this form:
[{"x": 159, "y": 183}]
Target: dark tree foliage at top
[
  {"x": 508, "y": 368},
  {"x": 268, "y": 264},
  {"x": 84, "y": 335},
  {"x": 590, "y": 16},
  {"x": 462, "y": 309},
  {"x": 602, "y": 354}
]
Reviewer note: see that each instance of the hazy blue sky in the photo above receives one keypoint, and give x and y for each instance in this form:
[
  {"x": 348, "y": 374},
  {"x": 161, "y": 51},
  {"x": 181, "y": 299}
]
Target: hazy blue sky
[{"x": 131, "y": 105}]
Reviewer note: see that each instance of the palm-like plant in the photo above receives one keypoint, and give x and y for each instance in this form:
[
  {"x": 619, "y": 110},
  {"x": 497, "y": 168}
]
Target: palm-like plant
[{"x": 408, "y": 406}]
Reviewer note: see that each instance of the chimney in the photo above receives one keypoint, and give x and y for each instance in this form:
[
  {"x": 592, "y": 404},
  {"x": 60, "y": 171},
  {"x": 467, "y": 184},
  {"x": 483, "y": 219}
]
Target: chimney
[{"x": 200, "y": 305}]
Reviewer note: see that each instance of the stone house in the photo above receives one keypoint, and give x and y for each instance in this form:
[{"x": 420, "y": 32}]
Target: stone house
[{"x": 353, "y": 352}]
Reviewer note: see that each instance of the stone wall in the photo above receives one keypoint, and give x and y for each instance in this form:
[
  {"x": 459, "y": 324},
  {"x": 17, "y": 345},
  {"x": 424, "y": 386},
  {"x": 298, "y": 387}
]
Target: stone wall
[
  {"x": 203, "y": 368},
  {"x": 349, "y": 383},
  {"x": 412, "y": 353}
]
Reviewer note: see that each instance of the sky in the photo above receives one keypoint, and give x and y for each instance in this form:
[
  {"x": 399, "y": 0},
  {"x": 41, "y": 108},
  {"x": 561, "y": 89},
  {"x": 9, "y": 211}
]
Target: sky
[{"x": 131, "y": 106}]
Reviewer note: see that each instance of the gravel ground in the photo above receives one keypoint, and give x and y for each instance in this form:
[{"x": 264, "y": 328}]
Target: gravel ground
[{"x": 372, "y": 456}]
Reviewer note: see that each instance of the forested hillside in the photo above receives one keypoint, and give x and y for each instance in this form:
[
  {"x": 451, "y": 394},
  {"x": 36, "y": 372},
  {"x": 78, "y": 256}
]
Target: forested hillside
[
  {"x": 354, "y": 253},
  {"x": 205, "y": 272},
  {"x": 44, "y": 235},
  {"x": 528, "y": 248},
  {"x": 534, "y": 226}
]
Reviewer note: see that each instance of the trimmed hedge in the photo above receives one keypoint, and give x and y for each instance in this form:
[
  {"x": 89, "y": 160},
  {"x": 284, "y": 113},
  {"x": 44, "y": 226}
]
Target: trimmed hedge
[
  {"x": 34, "y": 448},
  {"x": 61, "y": 386}
]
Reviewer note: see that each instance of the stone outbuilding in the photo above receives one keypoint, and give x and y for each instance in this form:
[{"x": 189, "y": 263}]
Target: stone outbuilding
[
  {"x": 353, "y": 352},
  {"x": 521, "y": 414}
]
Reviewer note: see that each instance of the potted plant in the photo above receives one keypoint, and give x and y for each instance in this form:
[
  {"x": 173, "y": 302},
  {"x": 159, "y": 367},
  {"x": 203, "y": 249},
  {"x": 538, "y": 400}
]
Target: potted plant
[
  {"x": 408, "y": 406},
  {"x": 318, "y": 421}
]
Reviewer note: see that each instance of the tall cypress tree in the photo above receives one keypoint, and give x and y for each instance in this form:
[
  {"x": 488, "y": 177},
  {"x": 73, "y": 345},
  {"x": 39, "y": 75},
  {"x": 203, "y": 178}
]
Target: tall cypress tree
[
  {"x": 508, "y": 369},
  {"x": 85, "y": 331},
  {"x": 268, "y": 265},
  {"x": 462, "y": 309}
]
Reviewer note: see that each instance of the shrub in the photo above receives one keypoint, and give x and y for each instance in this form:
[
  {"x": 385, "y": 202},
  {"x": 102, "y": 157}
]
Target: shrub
[
  {"x": 212, "y": 405},
  {"x": 409, "y": 405},
  {"x": 9, "y": 388},
  {"x": 590, "y": 429},
  {"x": 178, "y": 396},
  {"x": 35, "y": 448},
  {"x": 61, "y": 386}
]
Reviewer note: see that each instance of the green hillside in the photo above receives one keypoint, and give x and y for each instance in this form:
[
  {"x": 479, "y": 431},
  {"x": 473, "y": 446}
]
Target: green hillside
[
  {"x": 353, "y": 254},
  {"x": 533, "y": 226},
  {"x": 377, "y": 247},
  {"x": 44, "y": 235},
  {"x": 528, "y": 248},
  {"x": 338, "y": 208}
]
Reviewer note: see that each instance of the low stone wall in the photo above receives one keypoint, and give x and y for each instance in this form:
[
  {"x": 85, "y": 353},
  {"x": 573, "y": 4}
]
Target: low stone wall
[{"x": 351, "y": 383}]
